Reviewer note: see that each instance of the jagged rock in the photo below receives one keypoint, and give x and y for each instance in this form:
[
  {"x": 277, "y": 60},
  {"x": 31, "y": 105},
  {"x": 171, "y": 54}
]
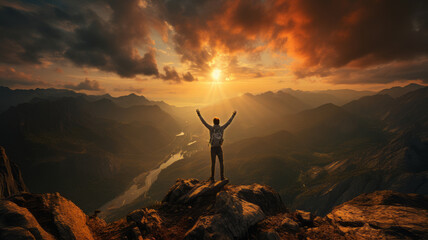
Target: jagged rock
[
  {"x": 18, "y": 223},
  {"x": 135, "y": 234},
  {"x": 383, "y": 214},
  {"x": 306, "y": 218},
  {"x": 289, "y": 223},
  {"x": 56, "y": 215},
  {"x": 147, "y": 220},
  {"x": 268, "y": 235},
  {"x": 263, "y": 196},
  {"x": 11, "y": 181},
  {"x": 232, "y": 219},
  {"x": 205, "y": 189},
  {"x": 187, "y": 191},
  {"x": 180, "y": 188}
]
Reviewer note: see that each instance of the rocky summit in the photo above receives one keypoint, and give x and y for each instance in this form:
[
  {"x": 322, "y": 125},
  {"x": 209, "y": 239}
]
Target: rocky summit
[{"x": 194, "y": 209}]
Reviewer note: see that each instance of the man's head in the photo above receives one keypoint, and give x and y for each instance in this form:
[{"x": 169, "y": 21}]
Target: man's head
[{"x": 216, "y": 121}]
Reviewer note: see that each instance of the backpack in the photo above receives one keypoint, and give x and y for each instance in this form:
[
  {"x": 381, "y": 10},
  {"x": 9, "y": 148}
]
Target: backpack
[{"x": 216, "y": 137}]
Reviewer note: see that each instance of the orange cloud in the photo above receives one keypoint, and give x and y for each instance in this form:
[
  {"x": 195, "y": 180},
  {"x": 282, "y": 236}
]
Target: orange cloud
[{"x": 321, "y": 36}]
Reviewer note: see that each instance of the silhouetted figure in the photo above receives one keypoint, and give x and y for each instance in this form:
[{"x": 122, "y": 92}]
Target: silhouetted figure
[{"x": 216, "y": 140}]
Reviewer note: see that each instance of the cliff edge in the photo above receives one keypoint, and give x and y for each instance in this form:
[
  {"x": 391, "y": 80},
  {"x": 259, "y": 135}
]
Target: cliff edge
[{"x": 194, "y": 209}]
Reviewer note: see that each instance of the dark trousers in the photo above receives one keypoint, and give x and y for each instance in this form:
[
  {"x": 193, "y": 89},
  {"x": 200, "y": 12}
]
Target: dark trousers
[{"x": 217, "y": 151}]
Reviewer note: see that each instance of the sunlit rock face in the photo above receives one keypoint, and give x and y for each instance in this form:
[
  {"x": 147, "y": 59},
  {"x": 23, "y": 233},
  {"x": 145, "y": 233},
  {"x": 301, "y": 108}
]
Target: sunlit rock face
[
  {"x": 194, "y": 209},
  {"x": 10, "y": 177},
  {"x": 42, "y": 216},
  {"x": 383, "y": 214}
]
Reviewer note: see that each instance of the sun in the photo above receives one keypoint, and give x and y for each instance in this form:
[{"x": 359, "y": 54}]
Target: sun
[{"x": 216, "y": 74}]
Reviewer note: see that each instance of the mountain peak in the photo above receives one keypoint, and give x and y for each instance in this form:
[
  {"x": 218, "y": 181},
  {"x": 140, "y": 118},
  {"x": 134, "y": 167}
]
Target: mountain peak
[{"x": 398, "y": 91}]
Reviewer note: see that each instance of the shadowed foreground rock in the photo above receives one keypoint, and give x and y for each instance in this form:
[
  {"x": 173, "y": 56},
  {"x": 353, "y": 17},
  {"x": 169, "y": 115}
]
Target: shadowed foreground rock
[
  {"x": 10, "y": 177},
  {"x": 42, "y": 216},
  {"x": 204, "y": 210}
]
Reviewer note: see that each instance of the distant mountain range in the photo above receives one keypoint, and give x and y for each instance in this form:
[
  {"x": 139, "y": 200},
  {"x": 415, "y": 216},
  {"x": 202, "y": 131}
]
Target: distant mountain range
[
  {"x": 343, "y": 96},
  {"x": 330, "y": 154},
  {"x": 329, "y": 145},
  {"x": 396, "y": 92},
  {"x": 86, "y": 150}
]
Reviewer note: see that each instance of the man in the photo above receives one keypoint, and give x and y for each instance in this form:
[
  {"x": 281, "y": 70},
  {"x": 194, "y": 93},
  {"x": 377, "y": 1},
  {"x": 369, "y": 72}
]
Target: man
[{"x": 216, "y": 140}]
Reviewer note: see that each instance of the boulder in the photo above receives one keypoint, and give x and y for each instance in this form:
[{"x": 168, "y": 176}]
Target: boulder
[
  {"x": 232, "y": 219},
  {"x": 383, "y": 214},
  {"x": 289, "y": 223},
  {"x": 187, "y": 191},
  {"x": 180, "y": 188},
  {"x": 18, "y": 223},
  {"x": 202, "y": 190},
  {"x": 56, "y": 215},
  {"x": 263, "y": 196},
  {"x": 306, "y": 218},
  {"x": 147, "y": 220}
]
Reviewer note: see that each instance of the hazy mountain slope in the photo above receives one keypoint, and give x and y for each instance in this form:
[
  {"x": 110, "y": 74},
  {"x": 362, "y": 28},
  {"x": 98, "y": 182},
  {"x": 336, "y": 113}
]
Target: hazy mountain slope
[
  {"x": 330, "y": 128},
  {"x": 403, "y": 112},
  {"x": 9, "y": 97},
  {"x": 258, "y": 115},
  {"x": 375, "y": 106},
  {"x": 62, "y": 146},
  {"x": 400, "y": 91},
  {"x": 318, "y": 98},
  {"x": 410, "y": 110},
  {"x": 399, "y": 165}
]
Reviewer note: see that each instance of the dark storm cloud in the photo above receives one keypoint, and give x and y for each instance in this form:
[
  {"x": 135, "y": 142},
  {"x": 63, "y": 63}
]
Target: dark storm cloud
[
  {"x": 396, "y": 71},
  {"x": 322, "y": 36},
  {"x": 89, "y": 85},
  {"x": 31, "y": 32},
  {"x": 170, "y": 74},
  {"x": 188, "y": 77}
]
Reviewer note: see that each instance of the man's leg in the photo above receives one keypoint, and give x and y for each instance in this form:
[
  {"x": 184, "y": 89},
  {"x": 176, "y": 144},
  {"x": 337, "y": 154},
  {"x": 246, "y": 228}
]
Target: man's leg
[
  {"x": 213, "y": 153},
  {"x": 220, "y": 159}
]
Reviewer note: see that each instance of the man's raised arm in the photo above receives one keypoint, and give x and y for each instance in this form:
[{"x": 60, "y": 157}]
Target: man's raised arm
[
  {"x": 202, "y": 119},
  {"x": 230, "y": 120}
]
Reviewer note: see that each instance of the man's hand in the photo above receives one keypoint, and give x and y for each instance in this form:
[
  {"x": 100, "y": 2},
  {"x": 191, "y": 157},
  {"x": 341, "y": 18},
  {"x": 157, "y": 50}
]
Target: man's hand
[
  {"x": 198, "y": 112},
  {"x": 234, "y": 112}
]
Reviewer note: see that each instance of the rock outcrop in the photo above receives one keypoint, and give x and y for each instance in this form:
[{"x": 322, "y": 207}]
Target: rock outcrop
[
  {"x": 383, "y": 214},
  {"x": 11, "y": 181},
  {"x": 194, "y": 209},
  {"x": 42, "y": 216}
]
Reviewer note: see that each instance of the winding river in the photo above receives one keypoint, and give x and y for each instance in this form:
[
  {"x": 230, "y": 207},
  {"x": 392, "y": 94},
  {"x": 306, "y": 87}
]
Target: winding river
[{"x": 141, "y": 185}]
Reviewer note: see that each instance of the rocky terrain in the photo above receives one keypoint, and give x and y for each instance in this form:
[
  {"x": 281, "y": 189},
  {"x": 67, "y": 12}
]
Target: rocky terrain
[
  {"x": 11, "y": 181},
  {"x": 218, "y": 210}
]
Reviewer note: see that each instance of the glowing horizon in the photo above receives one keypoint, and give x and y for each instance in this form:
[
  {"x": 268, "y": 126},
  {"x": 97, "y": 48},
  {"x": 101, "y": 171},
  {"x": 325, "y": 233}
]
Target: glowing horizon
[{"x": 175, "y": 53}]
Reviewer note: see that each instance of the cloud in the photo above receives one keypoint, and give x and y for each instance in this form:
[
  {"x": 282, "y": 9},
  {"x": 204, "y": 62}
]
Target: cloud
[
  {"x": 322, "y": 37},
  {"x": 129, "y": 89},
  {"x": 89, "y": 85},
  {"x": 395, "y": 71},
  {"x": 170, "y": 74},
  {"x": 10, "y": 77},
  {"x": 110, "y": 39},
  {"x": 188, "y": 77}
]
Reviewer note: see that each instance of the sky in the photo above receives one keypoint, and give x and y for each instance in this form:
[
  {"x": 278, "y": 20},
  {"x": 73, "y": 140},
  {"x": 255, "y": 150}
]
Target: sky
[{"x": 189, "y": 52}]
